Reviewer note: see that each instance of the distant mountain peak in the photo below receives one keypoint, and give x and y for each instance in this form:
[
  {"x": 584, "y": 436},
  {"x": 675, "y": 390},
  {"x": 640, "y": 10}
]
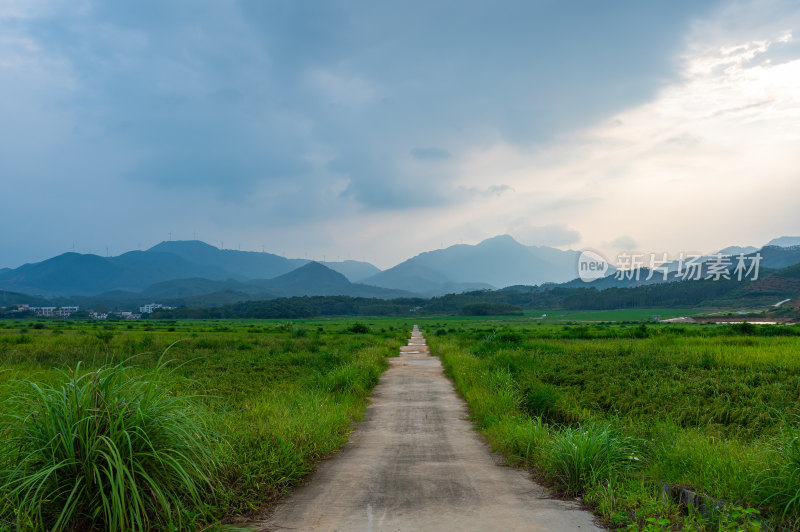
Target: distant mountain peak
[
  {"x": 354, "y": 270},
  {"x": 735, "y": 250},
  {"x": 495, "y": 262},
  {"x": 309, "y": 279},
  {"x": 785, "y": 241},
  {"x": 169, "y": 245},
  {"x": 316, "y": 269},
  {"x": 500, "y": 239}
]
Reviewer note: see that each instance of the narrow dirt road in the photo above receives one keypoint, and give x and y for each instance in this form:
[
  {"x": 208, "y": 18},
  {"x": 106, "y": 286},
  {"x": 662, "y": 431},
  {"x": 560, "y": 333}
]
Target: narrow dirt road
[{"x": 416, "y": 463}]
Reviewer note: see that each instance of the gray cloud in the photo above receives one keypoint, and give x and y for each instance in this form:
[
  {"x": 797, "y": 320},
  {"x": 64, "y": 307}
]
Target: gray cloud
[{"x": 301, "y": 100}]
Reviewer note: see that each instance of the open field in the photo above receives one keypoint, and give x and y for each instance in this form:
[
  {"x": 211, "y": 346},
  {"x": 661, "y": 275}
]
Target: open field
[
  {"x": 632, "y": 418},
  {"x": 275, "y": 397}
]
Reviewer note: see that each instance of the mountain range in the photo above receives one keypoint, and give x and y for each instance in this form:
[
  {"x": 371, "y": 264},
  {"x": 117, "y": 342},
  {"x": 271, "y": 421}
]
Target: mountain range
[
  {"x": 74, "y": 274},
  {"x": 785, "y": 241},
  {"x": 494, "y": 263},
  {"x": 195, "y": 273}
]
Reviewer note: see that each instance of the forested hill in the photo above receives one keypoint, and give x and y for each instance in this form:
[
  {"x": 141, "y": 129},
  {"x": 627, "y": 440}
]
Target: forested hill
[{"x": 773, "y": 287}]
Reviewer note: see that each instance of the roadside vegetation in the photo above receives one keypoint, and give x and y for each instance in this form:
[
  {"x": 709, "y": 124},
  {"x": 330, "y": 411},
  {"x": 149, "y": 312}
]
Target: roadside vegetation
[
  {"x": 656, "y": 427},
  {"x": 174, "y": 425},
  {"x": 169, "y": 425}
]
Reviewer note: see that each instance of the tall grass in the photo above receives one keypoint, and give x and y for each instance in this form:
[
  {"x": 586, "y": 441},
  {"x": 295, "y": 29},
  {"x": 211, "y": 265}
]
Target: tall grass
[
  {"x": 591, "y": 454},
  {"x": 282, "y": 395},
  {"x": 103, "y": 450},
  {"x": 779, "y": 485},
  {"x": 716, "y": 414}
]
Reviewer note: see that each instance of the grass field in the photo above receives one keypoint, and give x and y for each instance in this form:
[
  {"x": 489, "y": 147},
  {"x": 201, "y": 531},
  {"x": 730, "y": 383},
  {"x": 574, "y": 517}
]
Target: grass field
[
  {"x": 626, "y": 416},
  {"x": 271, "y": 399}
]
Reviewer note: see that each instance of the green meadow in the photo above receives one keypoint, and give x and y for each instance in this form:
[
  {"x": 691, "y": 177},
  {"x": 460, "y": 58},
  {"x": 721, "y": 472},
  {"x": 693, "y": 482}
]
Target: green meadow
[
  {"x": 233, "y": 413},
  {"x": 636, "y": 418},
  {"x": 191, "y": 425}
]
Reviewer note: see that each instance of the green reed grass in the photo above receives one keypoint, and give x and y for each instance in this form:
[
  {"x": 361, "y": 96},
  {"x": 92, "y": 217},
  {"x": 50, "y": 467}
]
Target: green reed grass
[
  {"x": 779, "y": 485},
  {"x": 591, "y": 454},
  {"x": 711, "y": 409},
  {"x": 103, "y": 450}
]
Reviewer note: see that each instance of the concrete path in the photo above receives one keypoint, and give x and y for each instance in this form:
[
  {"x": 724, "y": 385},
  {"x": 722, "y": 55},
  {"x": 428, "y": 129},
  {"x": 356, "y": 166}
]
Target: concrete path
[{"x": 416, "y": 463}]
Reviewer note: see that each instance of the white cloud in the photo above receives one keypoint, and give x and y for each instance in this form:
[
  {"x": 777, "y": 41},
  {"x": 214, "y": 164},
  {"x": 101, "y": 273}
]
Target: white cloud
[{"x": 711, "y": 161}]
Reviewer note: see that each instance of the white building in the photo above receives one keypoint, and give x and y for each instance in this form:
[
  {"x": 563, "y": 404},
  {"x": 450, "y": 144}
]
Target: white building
[{"x": 52, "y": 312}]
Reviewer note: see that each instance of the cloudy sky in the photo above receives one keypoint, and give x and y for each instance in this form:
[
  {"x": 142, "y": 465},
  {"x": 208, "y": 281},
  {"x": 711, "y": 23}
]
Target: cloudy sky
[{"x": 378, "y": 130}]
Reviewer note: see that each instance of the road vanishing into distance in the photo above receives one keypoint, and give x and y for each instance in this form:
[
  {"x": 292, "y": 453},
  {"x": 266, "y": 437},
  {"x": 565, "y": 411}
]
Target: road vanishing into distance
[{"x": 416, "y": 463}]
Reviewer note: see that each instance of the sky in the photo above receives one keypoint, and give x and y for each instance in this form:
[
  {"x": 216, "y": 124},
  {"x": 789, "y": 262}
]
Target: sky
[{"x": 378, "y": 130}]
